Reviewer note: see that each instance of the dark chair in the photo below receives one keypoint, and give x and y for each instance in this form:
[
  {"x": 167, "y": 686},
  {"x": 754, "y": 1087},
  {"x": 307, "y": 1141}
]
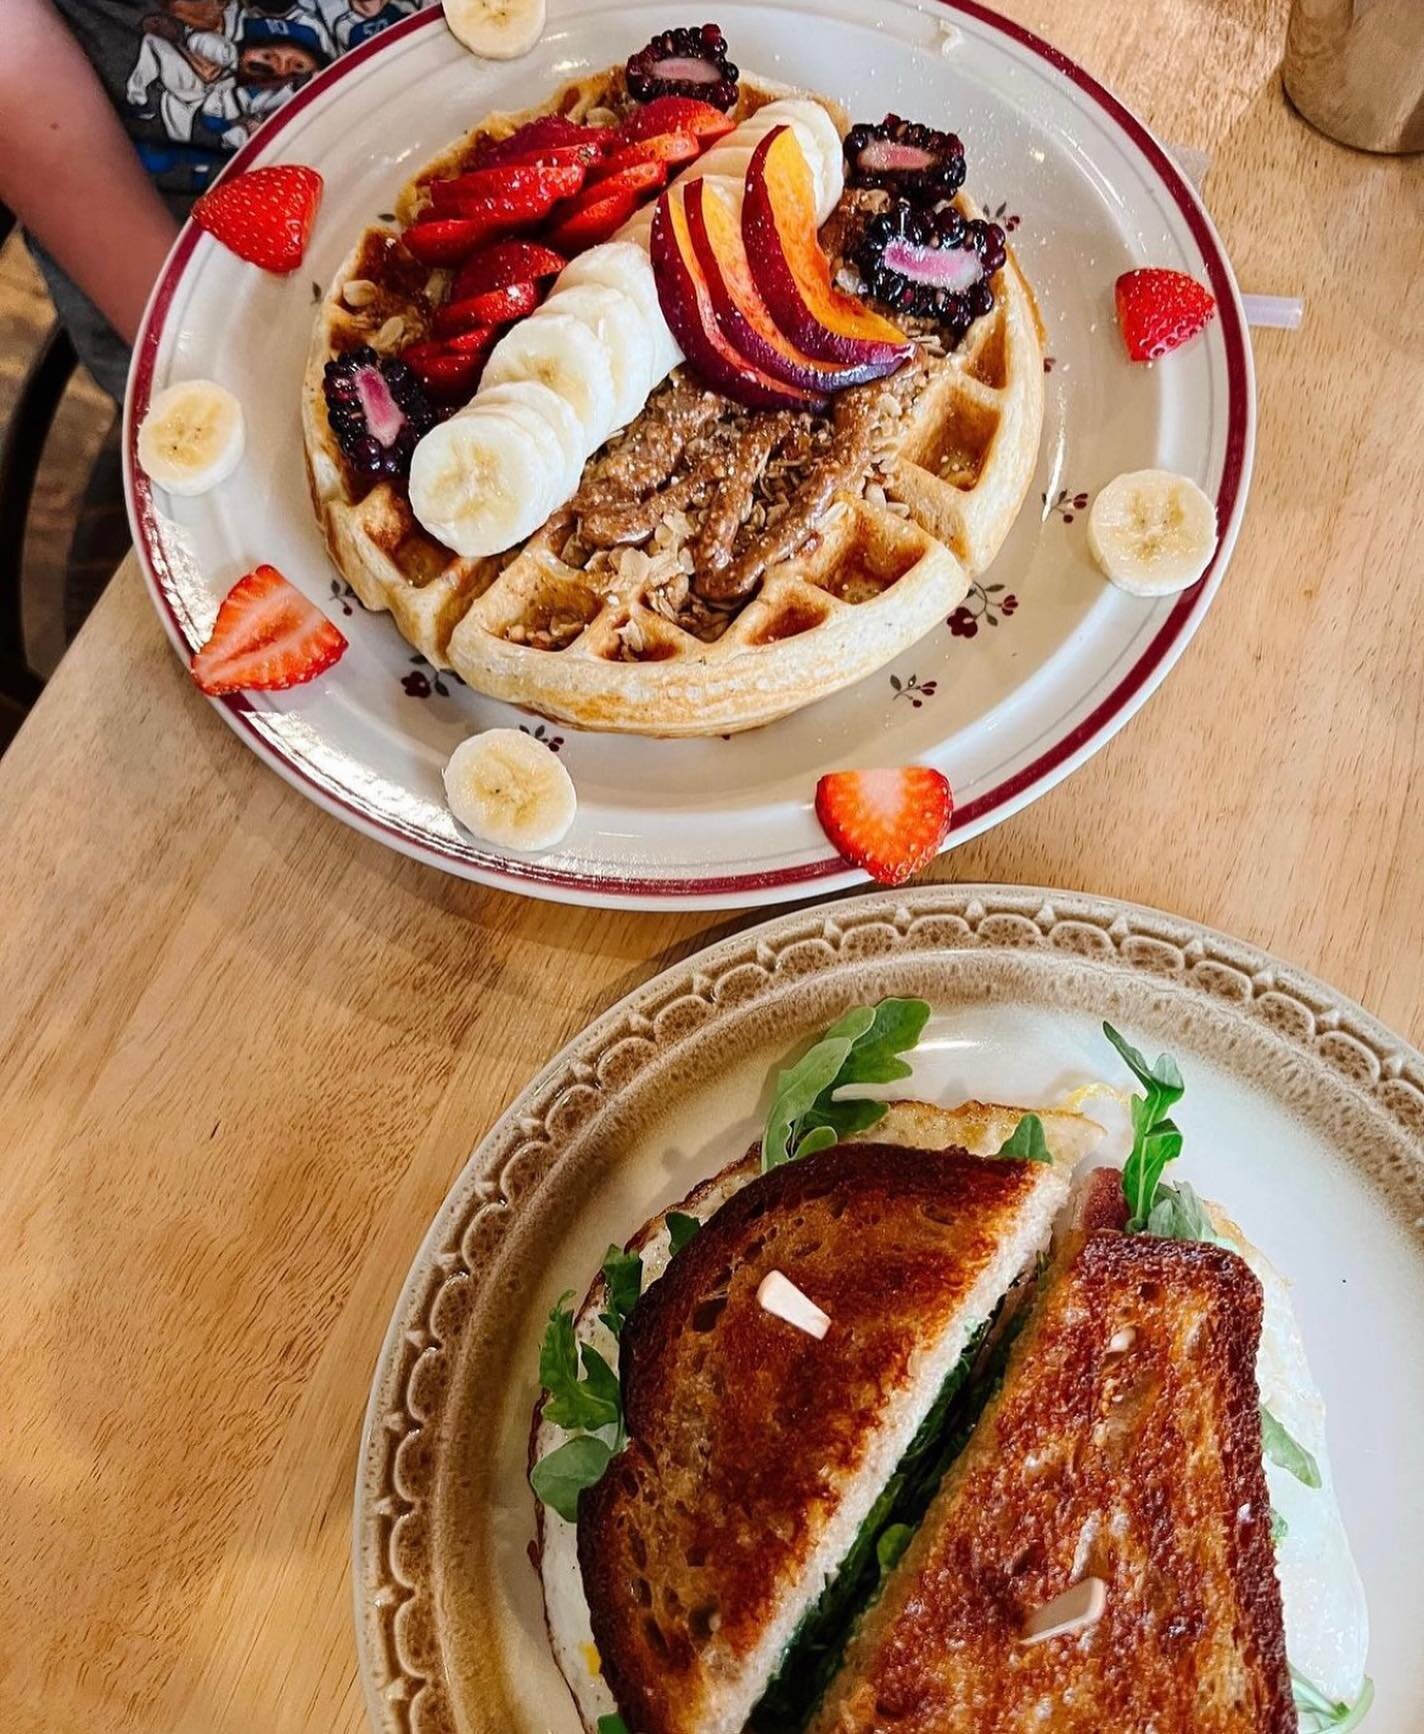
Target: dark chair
[{"x": 22, "y": 442}]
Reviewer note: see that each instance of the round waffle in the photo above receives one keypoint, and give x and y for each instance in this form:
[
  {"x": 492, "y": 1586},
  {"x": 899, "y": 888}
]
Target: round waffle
[{"x": 617, "y": 637}]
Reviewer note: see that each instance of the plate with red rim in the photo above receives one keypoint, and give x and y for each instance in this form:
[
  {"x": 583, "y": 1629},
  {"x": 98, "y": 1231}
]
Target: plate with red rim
[{"x": 1035, "y": 672}]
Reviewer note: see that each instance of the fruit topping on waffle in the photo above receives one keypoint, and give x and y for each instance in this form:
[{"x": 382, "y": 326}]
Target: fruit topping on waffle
[
  {"x": 684, "y": 62},
  {"x": 932, "y": 264},
  {"x": 377, "y": 411},
  {"x": 901, "y": 156}
]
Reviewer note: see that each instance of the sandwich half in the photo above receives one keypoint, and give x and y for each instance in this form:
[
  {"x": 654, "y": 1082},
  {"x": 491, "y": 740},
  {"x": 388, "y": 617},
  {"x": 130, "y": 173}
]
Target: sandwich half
[
  {"x": 759, "y": 1466},
  {"x": 1099, "y": 1556}
]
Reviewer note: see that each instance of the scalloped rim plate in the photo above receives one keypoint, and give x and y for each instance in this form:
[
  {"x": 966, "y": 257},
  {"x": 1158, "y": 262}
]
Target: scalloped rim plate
[
  {"x": 1059, "y": 659},
  {"x": 1303, "y": 1114}
]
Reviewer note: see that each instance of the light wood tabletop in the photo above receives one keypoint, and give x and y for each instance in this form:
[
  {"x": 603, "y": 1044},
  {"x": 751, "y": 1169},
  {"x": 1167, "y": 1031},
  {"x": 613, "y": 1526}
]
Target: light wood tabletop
[{"x": 246, "y": 1050}]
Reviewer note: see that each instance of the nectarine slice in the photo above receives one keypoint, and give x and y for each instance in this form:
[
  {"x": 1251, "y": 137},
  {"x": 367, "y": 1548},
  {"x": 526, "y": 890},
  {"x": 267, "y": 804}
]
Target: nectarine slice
[{"x": 793, "y": 273}]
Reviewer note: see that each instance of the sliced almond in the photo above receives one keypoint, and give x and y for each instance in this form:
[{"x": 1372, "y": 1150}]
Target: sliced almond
[
  {"x": 1079, "y": 1607},
  {"x": 778, "y": 1295}
]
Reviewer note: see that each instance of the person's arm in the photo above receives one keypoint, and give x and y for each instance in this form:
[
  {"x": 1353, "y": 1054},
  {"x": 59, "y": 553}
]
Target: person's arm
[{"x": 69, "y": 171}]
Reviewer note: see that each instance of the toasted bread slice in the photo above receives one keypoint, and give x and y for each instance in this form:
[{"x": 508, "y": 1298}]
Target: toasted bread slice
[
  {"x": 1123, "y": 1445},
  {"x": 755, "y": 1450},
  {"x": 979, "y": 1127}
]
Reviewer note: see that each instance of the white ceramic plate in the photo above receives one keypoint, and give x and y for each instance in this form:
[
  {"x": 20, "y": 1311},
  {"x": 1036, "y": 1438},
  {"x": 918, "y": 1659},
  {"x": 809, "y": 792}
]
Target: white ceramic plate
[
  {"x": 1303, "y": 1115},
  {"x": 1033, "y": 675}
]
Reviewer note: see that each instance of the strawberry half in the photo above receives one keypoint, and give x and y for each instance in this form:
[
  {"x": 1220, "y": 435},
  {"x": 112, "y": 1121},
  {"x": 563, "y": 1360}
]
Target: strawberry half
[
  {"x": 449, "y": 240},
  {"x": 592, "y": 220},
  {"x": 450, "y": 366},
  {"x": 544, "y": 139},
  {"x": 264, "y": 216},
  {"x": 503, "y": 264},
  {"x": 664, "y": 147},
  {"x": 678, "y": 114},
  {"x": 1160, "y": 310},
  {"x": 891, "y": 823},
  {"x": 267, "y": 636}
]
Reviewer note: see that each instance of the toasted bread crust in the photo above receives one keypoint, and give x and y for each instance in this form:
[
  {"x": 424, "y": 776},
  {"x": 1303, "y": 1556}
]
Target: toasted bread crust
[
  {"x": 743, "y": 1436},
  {"x": 1139, "y": 1465}
]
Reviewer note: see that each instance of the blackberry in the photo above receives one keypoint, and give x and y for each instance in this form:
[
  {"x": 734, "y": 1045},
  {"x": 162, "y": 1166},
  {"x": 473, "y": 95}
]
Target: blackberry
[
  {"x": 685, "y": 62},
  {"x": 932, "y": 264},
  {"x": 378, "y": 410},
  {"x": 901, "y": 156}
]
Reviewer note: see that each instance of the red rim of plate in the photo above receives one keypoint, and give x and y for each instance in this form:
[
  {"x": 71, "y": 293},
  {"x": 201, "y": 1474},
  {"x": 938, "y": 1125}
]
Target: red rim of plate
[{"x": 240, "y": 713}]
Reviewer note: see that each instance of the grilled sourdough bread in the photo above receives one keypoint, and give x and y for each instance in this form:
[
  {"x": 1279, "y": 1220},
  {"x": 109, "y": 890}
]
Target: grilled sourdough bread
[
  {"x": 1124, "y": 1445},
  {"x": 755, "y": 1452}
]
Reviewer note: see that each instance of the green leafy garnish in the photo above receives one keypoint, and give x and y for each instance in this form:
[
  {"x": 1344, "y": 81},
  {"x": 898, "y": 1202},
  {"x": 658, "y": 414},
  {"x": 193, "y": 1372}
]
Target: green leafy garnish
[
  {"x": 1155, "y": 1139},
  {"x": 1280, "y": 1529},
  {"x": 1027, "y": 1141},
  {"x": 584, "y": 1406},
  {"x": 863, "y": 1047},
  {"x": 1282, "y": 1450},
  {"x": 579, "y": 1406},
  {"x": 1178, "y": 1214},
  {"x": 1319, "y": 1713},
  {"x": 681, "y": 1228},
  {"x": 623, "y": 1274},
  {"x": 891, "y": 1544},
  {"x": 559, "y": 1478},
  {"x": 612, "y": 1725}
]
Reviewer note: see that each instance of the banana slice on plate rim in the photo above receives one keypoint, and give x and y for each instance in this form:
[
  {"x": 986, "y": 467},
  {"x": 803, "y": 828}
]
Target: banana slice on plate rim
[
  {"x": 510, "y": 790},
  {"x": 496, "y": 29},
  {"x": 192, "y": 438},
  {"x": 1152, "y": 532}
]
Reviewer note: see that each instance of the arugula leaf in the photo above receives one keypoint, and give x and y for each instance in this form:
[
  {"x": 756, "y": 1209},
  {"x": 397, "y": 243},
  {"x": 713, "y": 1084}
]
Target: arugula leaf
[
  {"x": 1319, "y": 1713},
  {"x": 612, "y": 1725},
  {"x": 559, "y": 1478},
  {"x": 623, "y": 1273},
  {"x": 1282, "y": 1450},
  {"x": 1178, "y": 1214},
  {"x": 1027, "y": 1141},
  {"x": 890, "y": 1546},
  {"x": 1155, "y": 1139},
  {"x": 1280, "y": 1529},
  {"x": 862, "y": 1047},
  {"x": 681, "y": 1228},
  {"x": 587, "y": 1406}
]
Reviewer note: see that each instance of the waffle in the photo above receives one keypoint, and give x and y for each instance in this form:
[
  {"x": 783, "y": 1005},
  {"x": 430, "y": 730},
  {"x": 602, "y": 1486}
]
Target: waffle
[{"x": 618, "y": 637}]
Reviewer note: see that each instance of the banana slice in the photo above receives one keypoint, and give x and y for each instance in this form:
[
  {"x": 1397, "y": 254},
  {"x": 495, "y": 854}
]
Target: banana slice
[
  {"x": 511, "y": 790},
  {"x": 727, "y": 158},
  {"x": 624, "y": 264},
  {"x": 486, "y": 479},
  {"x": 192, "y": 438},
  {"x": 638, "y": 230},
  {"x": 1152, "y": 532},
  {"x": 544, "y": 410},
  {"x": 496, "y": 29},
  {"x": 553, "y": 349},
  {"x": 625, "y": 333}
]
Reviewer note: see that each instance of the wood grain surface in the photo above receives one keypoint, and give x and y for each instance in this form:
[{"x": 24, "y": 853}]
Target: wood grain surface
[{"x": 246, "y": 1051}]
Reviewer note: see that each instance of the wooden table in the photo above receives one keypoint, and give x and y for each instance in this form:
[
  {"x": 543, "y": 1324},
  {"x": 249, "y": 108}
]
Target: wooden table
[{"x": 247, "y": 1051}]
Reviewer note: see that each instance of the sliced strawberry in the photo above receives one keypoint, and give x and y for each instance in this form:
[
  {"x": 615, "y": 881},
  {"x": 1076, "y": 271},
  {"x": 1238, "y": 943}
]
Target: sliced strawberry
[
  {"x": 512, "y": 184},
  {"x": 264, "y": 216},
  {"x": 679, "y": 114},
  {"x": 1159, "y": 310},
  {"x": 637, "y": 178},
  {"x": 494, "y": 307},
  {"x": 890, "y": 822},
  {"x": 267, "y": 636},
  {"x": 593, "y": 220},
  {"x": 448, "y": 366},
  {"x": 539, "y": 140},
  {"x": 503, "y": 263},
  {"x": 668, "y": 148},
  {"x": 449, "y": 240}
]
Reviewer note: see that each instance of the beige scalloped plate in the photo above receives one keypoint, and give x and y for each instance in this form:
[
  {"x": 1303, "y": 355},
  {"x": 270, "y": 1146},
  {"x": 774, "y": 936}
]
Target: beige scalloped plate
[{"x": 1302, "y": 1113}]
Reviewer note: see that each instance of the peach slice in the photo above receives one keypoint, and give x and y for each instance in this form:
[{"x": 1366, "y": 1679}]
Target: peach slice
[
  {"x": 741, "y": 313},
  {"x": 687, "y": 306},
  {"x": 794, "y": 275}
]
